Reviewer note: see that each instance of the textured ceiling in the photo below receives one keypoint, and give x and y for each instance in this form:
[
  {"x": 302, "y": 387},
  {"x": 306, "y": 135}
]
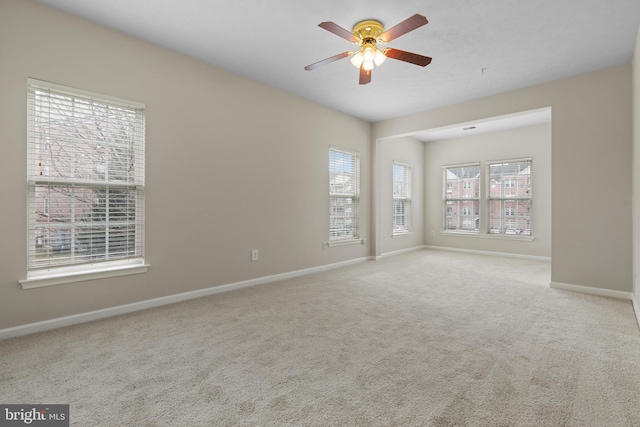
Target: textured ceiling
[{"x": 517, "y": 43}]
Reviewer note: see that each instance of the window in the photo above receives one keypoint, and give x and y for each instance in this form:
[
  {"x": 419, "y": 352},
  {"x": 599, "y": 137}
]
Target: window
[
  {"x": 401, "y": 198},
  {"x": 344, "y": 195},
  {"x": 510, "y": 197},
  {"x": 462, "y": 197},
  {"x": 85, "y": 180}
]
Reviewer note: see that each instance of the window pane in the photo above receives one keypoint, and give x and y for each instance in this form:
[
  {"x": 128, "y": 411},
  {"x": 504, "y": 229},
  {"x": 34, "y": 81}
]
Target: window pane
[
  {"x": 76, "y": 138},
  {"x": 401, "y": 181},
  {"x": 462, "y": 215},
  {"x": 84, "y": 224},
  {"x": 343, "y": 173},
  {"x": 401, "y": 216},
  {"x": 342, "y": 214},
  {"x": 510, "y": 217},
  {"x": 510, "y": 180},
  {"x": 463, "y": 182}
]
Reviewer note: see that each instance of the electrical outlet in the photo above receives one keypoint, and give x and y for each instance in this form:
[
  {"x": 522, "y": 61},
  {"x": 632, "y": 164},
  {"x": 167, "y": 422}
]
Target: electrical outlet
[
  {"x": 433, "y": 233},
  {"x": 254, "y": 255}
]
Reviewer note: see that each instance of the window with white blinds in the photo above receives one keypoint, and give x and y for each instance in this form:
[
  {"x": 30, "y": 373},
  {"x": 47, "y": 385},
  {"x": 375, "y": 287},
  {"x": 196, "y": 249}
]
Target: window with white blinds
[
  {"x": 401, "y": 198},
  {"x": 344, "y": 195},
  {"x": 510, "y": 197},
  {"x": 462, "y": 198},
  {"x": 85, "y": 178}
]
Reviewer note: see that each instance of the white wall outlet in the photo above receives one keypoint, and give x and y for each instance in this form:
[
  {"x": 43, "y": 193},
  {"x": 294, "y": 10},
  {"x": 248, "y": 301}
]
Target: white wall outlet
[
  {"x": 433, "y": 233},
  {"x": 254, "y": 255}
]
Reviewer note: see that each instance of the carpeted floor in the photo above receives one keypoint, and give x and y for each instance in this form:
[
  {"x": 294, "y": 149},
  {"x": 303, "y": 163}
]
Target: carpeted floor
[{"x": 426, "y": 338}]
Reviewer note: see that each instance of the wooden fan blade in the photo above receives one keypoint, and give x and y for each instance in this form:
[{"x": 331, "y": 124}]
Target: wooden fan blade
[
  {"x": 409, "y": 24},
  {"x": 365, "y": 76},
  {"x": 412, "y": 58},
  {"x": 336, "y": 29},
  {"x": 327, "y": 61}
]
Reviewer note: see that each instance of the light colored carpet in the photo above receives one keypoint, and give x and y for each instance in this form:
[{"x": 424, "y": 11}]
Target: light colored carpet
[{"x": 426, "y": 338}]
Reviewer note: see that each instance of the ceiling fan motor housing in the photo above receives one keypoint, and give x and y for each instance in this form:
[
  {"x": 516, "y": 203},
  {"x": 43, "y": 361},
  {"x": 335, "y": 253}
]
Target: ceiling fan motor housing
[{"x": 369, "y": 29}]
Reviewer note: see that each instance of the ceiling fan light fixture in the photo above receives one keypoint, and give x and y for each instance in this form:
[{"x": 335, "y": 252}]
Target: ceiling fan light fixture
[
  {"x": 369, "y": 52},
  {"x": 379, "y": 57},
  {"x": 357, "y": 59},
  {"x": 367, "y": 56}
]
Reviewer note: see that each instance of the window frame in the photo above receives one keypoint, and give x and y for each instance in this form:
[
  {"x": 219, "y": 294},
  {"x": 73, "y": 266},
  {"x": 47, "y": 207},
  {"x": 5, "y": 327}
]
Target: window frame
[
  {"x": 353, "y": 195},
  {"x": 405, "y": 198},
  {"x": 81, "y": 268}
]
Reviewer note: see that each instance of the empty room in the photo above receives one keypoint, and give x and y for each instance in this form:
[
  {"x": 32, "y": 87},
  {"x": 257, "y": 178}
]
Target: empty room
[{"x": 319, "y": 213}]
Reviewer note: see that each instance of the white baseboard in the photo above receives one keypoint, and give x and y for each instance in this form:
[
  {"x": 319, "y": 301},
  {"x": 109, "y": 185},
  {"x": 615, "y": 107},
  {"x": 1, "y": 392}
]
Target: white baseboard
[
  {"x": 502, "y": 254},
  {"x": 401, "y": 251},
  {"x": 593, "y": 291},
  {"x": 636, "y": 309},
  {"x": 60, "y": 322}
]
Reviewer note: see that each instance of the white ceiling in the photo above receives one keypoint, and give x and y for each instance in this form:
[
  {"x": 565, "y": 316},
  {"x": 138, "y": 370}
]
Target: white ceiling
[{"x": 518, "y": 43}]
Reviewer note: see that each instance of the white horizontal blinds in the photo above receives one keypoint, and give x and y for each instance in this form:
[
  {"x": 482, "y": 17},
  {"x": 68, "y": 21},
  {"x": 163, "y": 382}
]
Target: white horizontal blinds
[
  {"x": 344, "y": 194},
  {"x": 510, "y": 197},
  {"x": 462, "y": 197},
  {"x": 86, "y": 178},
  {"x": 401, "y": 197}
]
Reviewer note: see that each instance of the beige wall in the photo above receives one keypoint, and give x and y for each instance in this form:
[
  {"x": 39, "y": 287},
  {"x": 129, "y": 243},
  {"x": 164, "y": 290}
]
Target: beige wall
[
  {"x": 232, "y": 165},
  {"x": 528, "y": 142},
  {"x": 590, "y": 164},
  {"x": 406, "y": 150},
  {"x": 636, "y": 175}
]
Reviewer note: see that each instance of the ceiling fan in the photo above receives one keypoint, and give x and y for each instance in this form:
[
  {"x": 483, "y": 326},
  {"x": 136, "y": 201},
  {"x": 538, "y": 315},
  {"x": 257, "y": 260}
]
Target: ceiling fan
[{"x": 367, "y": 35}]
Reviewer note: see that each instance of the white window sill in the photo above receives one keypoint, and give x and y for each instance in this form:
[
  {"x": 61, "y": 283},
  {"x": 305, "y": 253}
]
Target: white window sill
[
  {"x": 62, "y": 275},
  {"x": 402, "y": 234},
  {"x": 488, "y": 236},
  {"x": 343, "y": 242}
]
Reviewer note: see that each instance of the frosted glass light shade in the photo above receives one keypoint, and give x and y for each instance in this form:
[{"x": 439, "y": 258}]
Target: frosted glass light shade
[
  {"x": 379, "y": 58},
  {"x": 357, "y": 59},
  {"x": 369, "y": 53}
]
